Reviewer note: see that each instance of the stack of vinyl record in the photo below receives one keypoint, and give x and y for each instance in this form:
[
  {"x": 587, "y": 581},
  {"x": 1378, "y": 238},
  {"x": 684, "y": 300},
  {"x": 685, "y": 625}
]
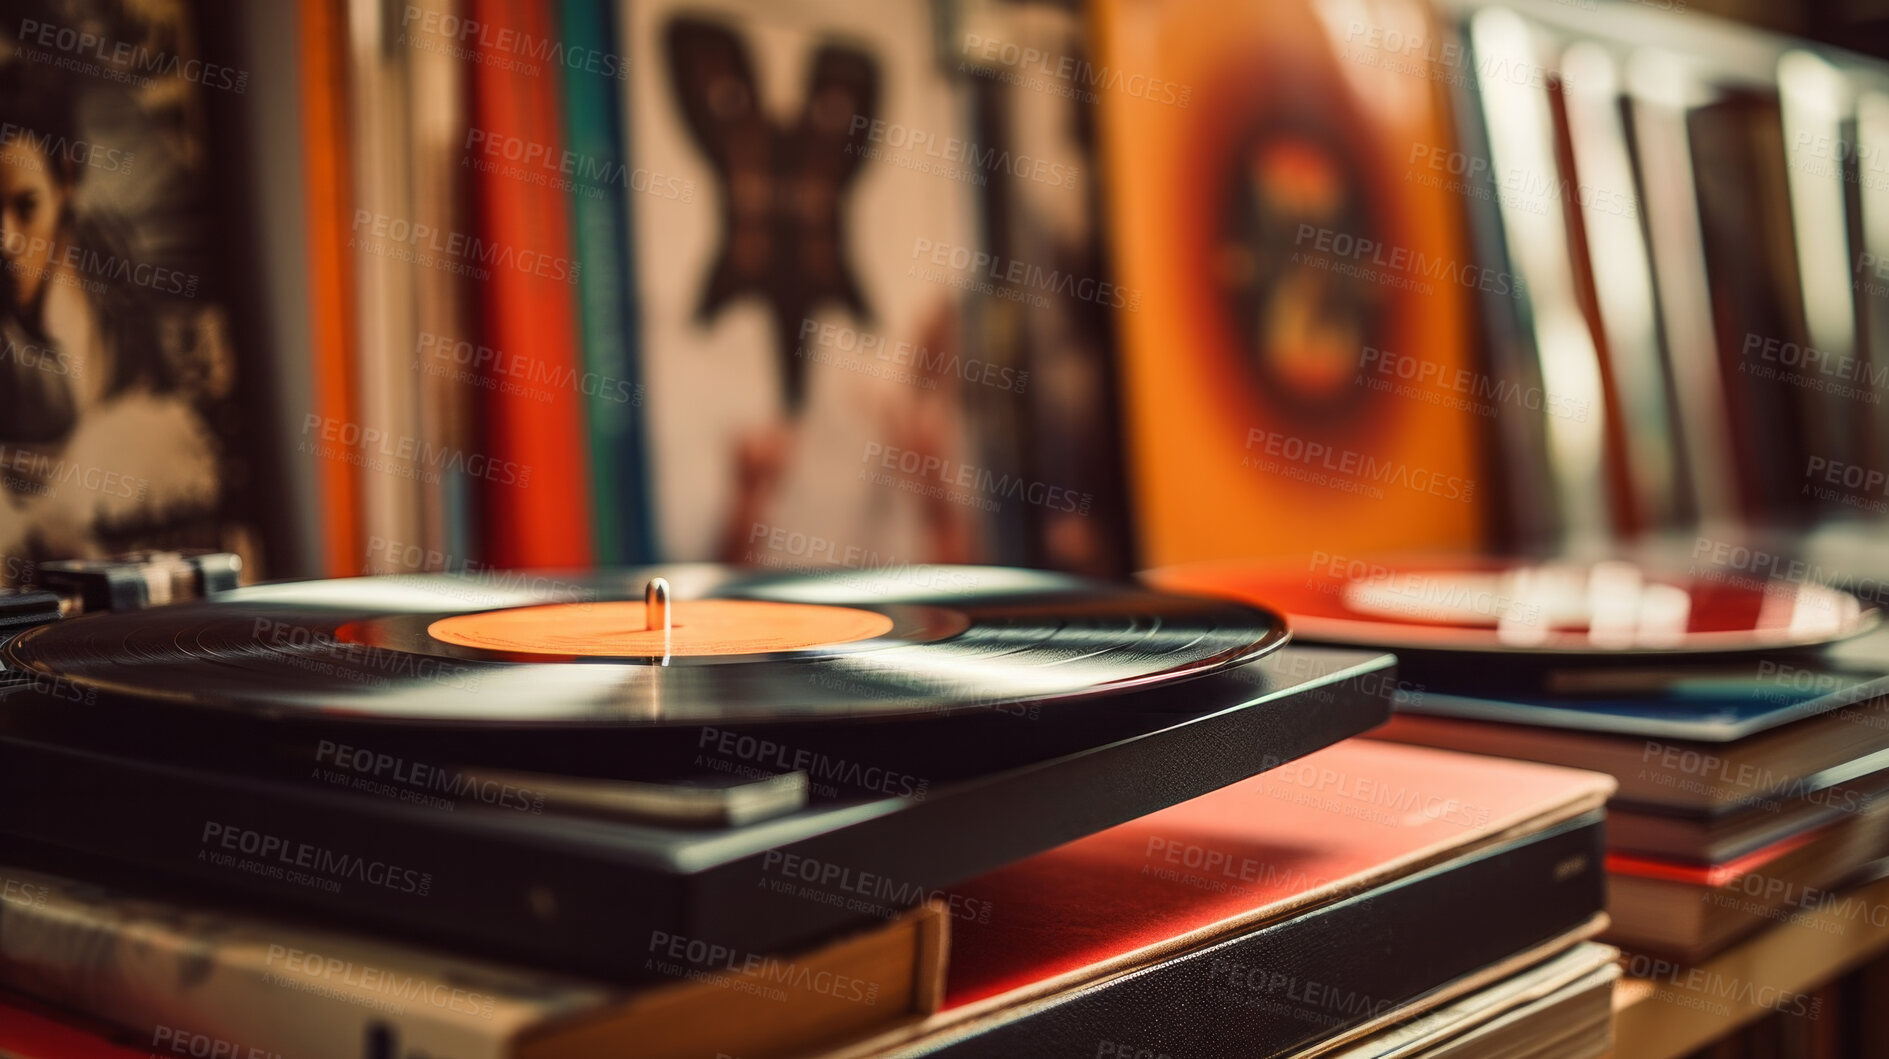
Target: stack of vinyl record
[
  {"x": 692, "y": 811},
  {"x": 1746, "y": 722}
]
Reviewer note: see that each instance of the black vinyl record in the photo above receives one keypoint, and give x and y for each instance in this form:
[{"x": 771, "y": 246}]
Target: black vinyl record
[{"x": 744, "y": 647}]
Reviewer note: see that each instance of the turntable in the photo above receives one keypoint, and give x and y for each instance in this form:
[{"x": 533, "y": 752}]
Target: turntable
[{"x": 561, "y": 770}]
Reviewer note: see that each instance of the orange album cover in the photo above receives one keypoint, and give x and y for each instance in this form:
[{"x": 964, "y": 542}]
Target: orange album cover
[
  {"x": 1288, "y": 205},
  {"x": 1352, "y": 816}
]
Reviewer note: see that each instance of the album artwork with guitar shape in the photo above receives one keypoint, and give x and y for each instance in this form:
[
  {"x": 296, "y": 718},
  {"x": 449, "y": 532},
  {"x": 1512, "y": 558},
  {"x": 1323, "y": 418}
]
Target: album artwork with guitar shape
[{"x": 793, "y": 317}]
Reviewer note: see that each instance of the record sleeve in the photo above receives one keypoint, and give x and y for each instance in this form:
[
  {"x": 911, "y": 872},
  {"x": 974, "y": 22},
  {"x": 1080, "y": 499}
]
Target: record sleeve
[
  {"x": 125, "y": 400},
  {"x": 782, "y": 245},
  {"x": 1298, "y": 338},
  {"x": 1274, "y": 913}
]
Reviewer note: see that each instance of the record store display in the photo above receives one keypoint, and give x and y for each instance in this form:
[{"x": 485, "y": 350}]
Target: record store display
[{"x": 1000, "y": 529}]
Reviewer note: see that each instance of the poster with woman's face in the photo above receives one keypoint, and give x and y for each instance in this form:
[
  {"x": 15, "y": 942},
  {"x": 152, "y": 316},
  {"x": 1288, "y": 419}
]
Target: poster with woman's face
[{"x": 115, "y": 365}]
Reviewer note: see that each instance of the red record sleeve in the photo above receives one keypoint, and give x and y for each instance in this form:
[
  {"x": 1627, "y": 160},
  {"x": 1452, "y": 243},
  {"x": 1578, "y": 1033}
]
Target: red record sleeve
[{"x": 1348, "y": 818}]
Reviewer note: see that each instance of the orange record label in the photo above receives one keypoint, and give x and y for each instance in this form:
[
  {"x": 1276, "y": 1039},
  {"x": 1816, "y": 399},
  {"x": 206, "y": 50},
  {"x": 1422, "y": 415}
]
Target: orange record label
[{"x": 698, "y": 627}]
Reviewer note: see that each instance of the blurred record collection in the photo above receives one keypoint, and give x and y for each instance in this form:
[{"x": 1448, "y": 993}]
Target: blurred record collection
[{"x": 1128, "y": 529}]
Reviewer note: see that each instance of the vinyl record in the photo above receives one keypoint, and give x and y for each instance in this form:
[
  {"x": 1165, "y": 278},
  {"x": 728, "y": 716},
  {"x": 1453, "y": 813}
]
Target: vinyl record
[
  {"x": 530, "y": 649},
  {"x": 1528, "y": 607}
]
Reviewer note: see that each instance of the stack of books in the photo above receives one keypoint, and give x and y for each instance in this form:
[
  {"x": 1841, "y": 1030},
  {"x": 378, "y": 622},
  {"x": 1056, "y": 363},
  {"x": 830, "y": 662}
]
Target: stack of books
[{"x": 1368, "y": 900}]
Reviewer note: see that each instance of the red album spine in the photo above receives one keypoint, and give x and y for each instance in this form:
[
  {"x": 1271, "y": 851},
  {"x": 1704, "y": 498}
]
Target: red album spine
[{"x": 536, "y": 502}]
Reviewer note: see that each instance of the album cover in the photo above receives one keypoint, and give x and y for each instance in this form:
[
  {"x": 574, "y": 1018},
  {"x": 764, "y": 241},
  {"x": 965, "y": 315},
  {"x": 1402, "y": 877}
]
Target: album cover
[
  {"x": 1297, "y": 332},
  {"x": 1703, "y": 707},
  {"x": 121, "y": 424},
  {"x": 1696, "y": 774},
  {"x": 1050, "y": 404},
  {"x": 1822, "y": 798},
  {"x": 802, "y": 272},
  {"x": 1695, "y": 910},
  {"x": 1750, "y": 260},
  {"x": 608, "y": 305},
  {"x": 1345, "y": 869}
]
